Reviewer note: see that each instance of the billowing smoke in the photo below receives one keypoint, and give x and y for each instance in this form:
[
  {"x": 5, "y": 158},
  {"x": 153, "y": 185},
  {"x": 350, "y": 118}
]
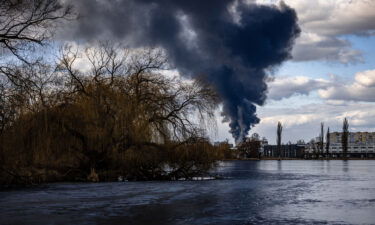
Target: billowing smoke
[{"x": 233, "y": 43}]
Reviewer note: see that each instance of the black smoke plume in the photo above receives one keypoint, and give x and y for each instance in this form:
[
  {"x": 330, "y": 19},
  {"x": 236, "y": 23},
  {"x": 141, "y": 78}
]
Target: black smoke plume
[{"x": 233, "y": 43}]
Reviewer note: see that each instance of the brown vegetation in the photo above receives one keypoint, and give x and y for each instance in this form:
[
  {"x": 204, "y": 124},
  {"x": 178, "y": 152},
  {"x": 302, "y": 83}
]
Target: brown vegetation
[{"x": 120, "y": 116}]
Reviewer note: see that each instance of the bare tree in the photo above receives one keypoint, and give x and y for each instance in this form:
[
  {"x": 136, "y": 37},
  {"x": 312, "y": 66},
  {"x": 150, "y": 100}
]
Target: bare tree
[
  {"x": 25, "y": 22},
  {"x": 279, "y": 132},
  {"x": 345, "y": 137},
  {"x": 327, "y": 143}
]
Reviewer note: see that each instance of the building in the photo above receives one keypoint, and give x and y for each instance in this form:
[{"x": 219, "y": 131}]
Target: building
[
  {"x": 287, "y": 151},
  {"x": 360, "y": 144},
  {"x": 354, "y": 137}
]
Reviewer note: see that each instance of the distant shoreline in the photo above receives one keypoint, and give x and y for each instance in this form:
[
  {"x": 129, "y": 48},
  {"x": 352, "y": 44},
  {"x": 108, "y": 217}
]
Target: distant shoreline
[{"x": 257, "y": 159}]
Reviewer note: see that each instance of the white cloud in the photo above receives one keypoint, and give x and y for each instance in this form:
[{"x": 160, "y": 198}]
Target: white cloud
[
  {"x": 362, "y": 89},
  {"x": 312, "y": 46},
  {"x": 366, "y": 78},
  {"x": 336, "y": 17},
  {"x": 290, "y": 119},
  {"x": 285, "y": 87},
  {"x": 323, "y": 24}
]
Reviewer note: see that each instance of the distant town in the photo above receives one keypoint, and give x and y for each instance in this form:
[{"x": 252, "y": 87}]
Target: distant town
[{"x": 360, "y": 145}]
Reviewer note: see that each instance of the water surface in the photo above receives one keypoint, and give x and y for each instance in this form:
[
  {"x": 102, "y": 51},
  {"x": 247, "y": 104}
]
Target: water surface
[{"x": 253, "y": 192}]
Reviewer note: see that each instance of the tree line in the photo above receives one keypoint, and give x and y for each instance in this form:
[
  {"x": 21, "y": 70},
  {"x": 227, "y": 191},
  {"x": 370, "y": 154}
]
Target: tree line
[{"x": 320, "y": 149}]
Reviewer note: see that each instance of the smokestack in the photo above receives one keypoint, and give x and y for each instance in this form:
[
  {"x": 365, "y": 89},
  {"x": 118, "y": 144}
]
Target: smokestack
[{"x": 231, "y": 42}]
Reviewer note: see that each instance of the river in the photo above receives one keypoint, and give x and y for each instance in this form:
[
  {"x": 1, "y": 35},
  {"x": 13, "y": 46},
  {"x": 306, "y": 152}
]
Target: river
[{"x": 252, "y": 192}]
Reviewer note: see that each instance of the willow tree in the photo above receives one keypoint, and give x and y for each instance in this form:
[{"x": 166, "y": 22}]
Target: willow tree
[
  {"x": 120, "y": 116},
  {"x": 345, "y": 137},
  {"x": 128, "y": 106}
]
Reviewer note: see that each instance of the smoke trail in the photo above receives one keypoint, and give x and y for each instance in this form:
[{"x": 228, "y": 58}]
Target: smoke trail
[{"x": 232, "y": 42}]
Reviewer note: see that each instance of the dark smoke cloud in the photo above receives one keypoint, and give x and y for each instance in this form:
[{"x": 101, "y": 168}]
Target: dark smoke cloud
[{"x": 232, "y": 43}]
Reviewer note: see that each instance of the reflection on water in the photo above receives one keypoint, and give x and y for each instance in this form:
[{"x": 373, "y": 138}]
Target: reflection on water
[
  {"x": 345, "y": 165},
  {"x": 253, "y": 192}
]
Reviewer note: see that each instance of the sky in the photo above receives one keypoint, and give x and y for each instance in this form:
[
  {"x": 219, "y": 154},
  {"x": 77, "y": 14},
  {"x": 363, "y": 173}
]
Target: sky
[
  {"x": 331, "y": 75},
  {"x": 230, "y": 44},
  {"x": 317, "y": 61}
]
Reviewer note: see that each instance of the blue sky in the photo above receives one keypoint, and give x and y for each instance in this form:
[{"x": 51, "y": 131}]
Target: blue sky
[{"x": 332, "y": 75}]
